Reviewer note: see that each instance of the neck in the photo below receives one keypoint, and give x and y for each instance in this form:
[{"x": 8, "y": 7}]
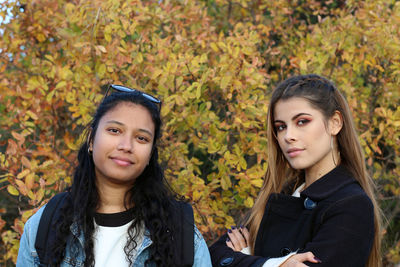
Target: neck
[
  {"x": 316, "y": 172},
  {"x": 112, "y": 198},
  {"x": 314, "y": 175}
]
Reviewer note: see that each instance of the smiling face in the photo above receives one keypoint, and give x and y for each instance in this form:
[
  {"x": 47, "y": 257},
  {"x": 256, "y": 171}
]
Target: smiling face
[
  {"x": 123, "y": 144},
  {"x": 304, "y": 135}
]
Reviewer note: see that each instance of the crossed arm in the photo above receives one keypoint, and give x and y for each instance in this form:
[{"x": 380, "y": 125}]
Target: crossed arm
[{"x": 238, "y": 241}]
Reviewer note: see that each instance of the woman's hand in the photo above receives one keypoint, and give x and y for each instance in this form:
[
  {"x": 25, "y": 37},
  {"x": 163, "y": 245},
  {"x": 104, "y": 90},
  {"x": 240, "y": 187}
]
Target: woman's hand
[
  {"x": 297, "y": 260},
  {"x": 238, "y": 238}
]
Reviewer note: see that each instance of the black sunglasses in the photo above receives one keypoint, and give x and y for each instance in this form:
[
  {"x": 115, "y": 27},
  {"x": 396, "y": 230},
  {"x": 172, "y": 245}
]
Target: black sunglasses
[{"x": 125, "y": 89}]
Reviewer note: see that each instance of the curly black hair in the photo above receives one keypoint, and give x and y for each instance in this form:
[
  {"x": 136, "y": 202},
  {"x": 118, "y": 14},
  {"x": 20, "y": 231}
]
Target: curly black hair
[{"x": 151, "y": 195}]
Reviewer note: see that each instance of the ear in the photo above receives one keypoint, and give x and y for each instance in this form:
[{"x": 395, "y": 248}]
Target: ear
[{"x": 335, "y": 123}]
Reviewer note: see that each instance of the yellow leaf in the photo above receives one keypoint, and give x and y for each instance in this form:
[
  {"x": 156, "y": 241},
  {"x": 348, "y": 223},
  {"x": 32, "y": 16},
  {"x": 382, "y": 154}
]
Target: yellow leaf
[
  {"x": 196, "y": 195},
  {"x": 204, "y": 58},
  {"x": 198, "y": 91},
  {"x": 49, "y": 57},
  {"x": 23, "y": 173},
  {"x": 66, "y": 73},
  {"x": 101, "y": 70},
  {"x": 225, "y": 183},
  {"x": 50, "y": 95},
  {"x": 242, "y": 164},
  {"x": 257, "y": 182},
  {"x": 179, "y": 100},
  {"x": 61, "y": 84},
  {"x": 46, "y": 163},
  {"x": 214, "y": 47},
  {"x": 156, "y": 73},
  {"x": 12, "y": 190},
  {"x": 249, "y": 202},
  {"x": 236, "y": 51},
  {"x": 87, "y": 69},
  {"x": 303, "y": 65},
  {"x": 39, "y": 195},
  {"x": 139, "y": 58},
  {"x": 40, "y": 37},
  {"x": 27, "y": 214},
  {"x": 107, "y": 36},
  {"x": 225, "y": 81},
  {"x": 72, "y": 146},
  {"x": 247, "y": 51},
  {"x": 380, "y": 68},
  {"x": 31, "y": 195},
  {"x": 32, "y": 115}
]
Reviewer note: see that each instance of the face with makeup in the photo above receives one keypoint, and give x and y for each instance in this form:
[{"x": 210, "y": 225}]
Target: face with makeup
[
  {"x": 305, "y": 135},
  {"x": 122, "y": 144}
]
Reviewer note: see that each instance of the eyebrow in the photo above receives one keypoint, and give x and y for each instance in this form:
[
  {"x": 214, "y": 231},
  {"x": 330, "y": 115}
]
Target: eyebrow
[
  {"x": 295, "y": 117},
  {"x": 140, "y": 129}
]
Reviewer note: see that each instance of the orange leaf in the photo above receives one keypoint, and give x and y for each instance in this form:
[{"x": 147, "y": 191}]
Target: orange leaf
[
  {"x": 22, "y": 187},
  {"x": 12, "y": 147},
  {"x": 25, "y": 161},
  {"x": 30, "y": 180}
]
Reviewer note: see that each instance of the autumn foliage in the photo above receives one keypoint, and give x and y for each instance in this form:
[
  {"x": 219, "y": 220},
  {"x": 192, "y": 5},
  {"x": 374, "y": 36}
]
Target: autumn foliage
[{"x": 214, "y": 64}]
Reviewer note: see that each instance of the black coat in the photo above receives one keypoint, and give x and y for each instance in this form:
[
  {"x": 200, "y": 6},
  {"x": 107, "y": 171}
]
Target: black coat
[{"x": 333, "y": 218}]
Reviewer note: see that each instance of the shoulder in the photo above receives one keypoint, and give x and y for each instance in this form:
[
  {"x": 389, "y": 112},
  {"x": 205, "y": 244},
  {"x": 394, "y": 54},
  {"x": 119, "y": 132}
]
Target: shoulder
[
  {"x": 32, "y": 224},
  {"x": 355, "y": 201},
  {"x": 353, "y": 214},
  {"x": 30, "y": 231},
  {"x": 350, "y": 195}
]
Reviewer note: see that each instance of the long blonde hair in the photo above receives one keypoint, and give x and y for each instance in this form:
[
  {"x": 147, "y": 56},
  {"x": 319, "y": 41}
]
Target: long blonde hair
[{"x": 322, "y": 95}]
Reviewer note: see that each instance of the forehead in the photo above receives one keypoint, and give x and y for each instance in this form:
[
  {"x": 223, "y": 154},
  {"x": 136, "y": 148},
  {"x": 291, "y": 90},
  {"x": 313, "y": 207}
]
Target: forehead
[
  {"x": 288, "y": 108},
  {"x": 129, "y": 114}
]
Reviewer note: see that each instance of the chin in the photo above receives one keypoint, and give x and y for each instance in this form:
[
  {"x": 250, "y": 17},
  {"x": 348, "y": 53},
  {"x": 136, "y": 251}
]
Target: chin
[{"x": 298, "y": 165}]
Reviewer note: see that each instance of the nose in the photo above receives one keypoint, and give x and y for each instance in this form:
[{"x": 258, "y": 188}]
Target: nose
[
  {"x": 125, "y": 144},
  {"x": 290, "y": 135}
]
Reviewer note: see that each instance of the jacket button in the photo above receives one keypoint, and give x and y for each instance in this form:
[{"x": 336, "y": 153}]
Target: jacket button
[
  {"x": 309, "y": 204},
  {"x": 285, "y": 251},
  {"x": 226, "y": 261}
]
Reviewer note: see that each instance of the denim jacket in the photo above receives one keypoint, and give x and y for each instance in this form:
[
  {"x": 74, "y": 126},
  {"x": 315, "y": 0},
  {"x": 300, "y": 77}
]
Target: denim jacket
[{"x": 27, "y": 255}]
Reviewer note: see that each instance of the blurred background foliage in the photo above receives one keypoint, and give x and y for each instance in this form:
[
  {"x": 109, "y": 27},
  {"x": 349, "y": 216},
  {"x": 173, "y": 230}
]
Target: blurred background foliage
[{"x": 214, "y": 64}]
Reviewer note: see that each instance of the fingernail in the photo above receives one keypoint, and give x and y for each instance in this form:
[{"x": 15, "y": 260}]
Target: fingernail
[
  {"x": 228, "y": 239},
  {"x": 241, "y": 226},
  {"x": 318, "y": 260},
  {"x": 229, "y": 231},
  {"x": 233, "y": 227}
]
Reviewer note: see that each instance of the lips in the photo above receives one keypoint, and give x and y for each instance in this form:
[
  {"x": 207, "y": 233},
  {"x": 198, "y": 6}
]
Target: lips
[
  {"x": 122, "y": 161},
  {"x": 293, "y": 152}
]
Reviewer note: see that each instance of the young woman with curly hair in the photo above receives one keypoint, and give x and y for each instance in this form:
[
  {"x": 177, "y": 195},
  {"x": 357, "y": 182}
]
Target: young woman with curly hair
[{"x": 119, "y": 210}]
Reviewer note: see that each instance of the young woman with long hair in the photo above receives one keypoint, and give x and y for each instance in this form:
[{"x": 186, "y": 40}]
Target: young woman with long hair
[
  {"x": 317, "y": 205},
  {"x": 120, "y": 210}
]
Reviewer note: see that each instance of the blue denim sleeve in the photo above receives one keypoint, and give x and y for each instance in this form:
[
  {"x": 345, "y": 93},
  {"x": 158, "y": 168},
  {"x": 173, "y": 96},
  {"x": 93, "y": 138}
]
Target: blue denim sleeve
[
  {"x": 27, "y": 256},
  {"x": 201, "y": 254}
]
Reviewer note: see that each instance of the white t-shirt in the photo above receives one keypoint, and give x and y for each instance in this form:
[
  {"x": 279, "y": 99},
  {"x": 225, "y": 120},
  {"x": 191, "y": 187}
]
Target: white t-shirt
[{"x": 110, "y": 238}]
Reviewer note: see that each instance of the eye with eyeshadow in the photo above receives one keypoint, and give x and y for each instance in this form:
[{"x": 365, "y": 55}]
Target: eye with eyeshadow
[
  {"x": 279, "y": 127},
  {"x": 303, "y": 121}
]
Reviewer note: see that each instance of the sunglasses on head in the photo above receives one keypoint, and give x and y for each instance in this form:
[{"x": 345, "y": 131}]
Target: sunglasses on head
[{"x": 125, "y": 89}]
